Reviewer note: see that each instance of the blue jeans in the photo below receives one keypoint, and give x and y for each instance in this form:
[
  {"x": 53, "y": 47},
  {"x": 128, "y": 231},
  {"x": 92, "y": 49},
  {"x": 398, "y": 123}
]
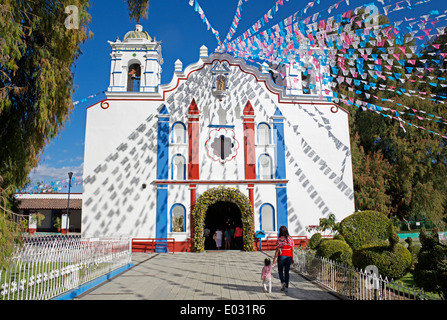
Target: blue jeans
[{"x": 284, "y": 263}]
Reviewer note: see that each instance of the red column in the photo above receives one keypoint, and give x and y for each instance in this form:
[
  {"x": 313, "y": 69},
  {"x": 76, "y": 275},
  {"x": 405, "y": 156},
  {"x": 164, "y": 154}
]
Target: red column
[
  {"x": 249, "y": 148},
  {"x": 249, "y": 142},
  {"x": 249, "y": 151},
  {"x": 193, "y": 136},
  {"x": 193, "y": 154}
]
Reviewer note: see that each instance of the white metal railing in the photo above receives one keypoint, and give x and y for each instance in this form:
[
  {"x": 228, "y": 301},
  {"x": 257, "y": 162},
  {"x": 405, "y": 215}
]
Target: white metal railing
[
  {"x": 47, "y": 266},
  {"x": 352, "y": 283}
]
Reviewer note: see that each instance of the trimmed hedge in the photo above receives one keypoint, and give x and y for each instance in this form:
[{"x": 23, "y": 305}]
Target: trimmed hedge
[
  {"x": 335, "y": 250},
  {"x": 391, "y": 262},
  {"x": 365, "y": 227},
  {"x": 314, "y": 241},
  {"x": 430, "y": 271}
]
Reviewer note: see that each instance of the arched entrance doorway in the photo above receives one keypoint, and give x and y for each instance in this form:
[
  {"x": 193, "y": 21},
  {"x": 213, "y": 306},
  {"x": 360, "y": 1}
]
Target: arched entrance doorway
[
  {"x": 222, "y": 198},
  {"x": 222, "y": 215}
]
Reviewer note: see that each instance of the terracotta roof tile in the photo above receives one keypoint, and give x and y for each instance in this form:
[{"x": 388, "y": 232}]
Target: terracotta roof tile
[{"x": 35, "y": 204}]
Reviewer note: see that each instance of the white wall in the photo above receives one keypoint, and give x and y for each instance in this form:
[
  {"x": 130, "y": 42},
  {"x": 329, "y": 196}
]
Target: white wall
[{"x": 121, "y": 145}]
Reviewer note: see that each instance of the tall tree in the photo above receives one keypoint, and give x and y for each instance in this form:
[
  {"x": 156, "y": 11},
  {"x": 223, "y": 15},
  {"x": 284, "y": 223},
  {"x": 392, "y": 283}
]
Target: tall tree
[
  {"x": 39, "y": 42},
  {"x": 406, "y": 162},
  {"x": 138, "y": 9}
]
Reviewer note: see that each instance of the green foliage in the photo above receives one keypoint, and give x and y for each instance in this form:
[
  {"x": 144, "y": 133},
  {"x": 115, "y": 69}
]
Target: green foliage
[
  {"x": 57, "y": 222},
  {"x": 138, "y": 9},
  {"x": 391, "y": 263},
  {"x": 314, "y": 241},
  {"x": 365, "y": 227},
  {"x": 339, "y": 237},
  {"x": 210, "y": 197},
  {"x": 37, "y": 53},
  {"x": 396, "y": 172},
  {"x": 430, "y": 271},
  {"x": 335, "y": 250}
]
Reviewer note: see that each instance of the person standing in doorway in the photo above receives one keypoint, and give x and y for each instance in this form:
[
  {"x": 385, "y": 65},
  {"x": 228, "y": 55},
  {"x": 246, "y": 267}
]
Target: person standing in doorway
[
  {"x": 218, "y": 235},
  {"x": 284, "y": 255},
  {"x": 227, "y": 238},
  {"x": 238, "y": 237}
]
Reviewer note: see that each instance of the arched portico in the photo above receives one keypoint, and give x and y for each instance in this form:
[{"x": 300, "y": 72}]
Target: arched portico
[{"x": 214, "y": 195}]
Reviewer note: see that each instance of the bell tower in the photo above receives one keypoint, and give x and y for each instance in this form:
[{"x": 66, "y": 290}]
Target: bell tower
[{"x": 135, "y": 63}]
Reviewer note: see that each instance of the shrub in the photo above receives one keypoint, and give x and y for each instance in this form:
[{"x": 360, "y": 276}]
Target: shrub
[
  {"x": 414, "y": 250},
  {"x": 339, "y": 237},
  {"x": 365, "y": 227},
  {"x": 430, "y": 271},
  {"x": 314, "y": 241},
  {"x": 335, "y": 250},
  {"x": 391, "y": 263}
]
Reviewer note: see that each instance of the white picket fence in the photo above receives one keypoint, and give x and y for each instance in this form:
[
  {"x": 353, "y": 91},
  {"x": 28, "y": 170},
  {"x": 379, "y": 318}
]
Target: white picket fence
[
  {"x": 352, "y": 283},
  {"x": 47, "y": 266}
]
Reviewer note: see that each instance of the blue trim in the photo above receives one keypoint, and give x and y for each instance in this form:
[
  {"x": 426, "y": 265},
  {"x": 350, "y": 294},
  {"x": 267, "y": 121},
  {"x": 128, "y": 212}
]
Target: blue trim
[
  {"x": 280, "y": 149},
  {"x": 184, "y": 215},
  {"x": 162, "y": 173},
  {"x": 172, "y": 165},
  {"x": 280, "y": 168},
  {"x": 259, "y": 166},
  {"x": 273, "y": 215},
  {"x": 221, "y": 126},
  {"x": 281, "y": 205},
  {"x": 136, "y": 49},
  {"x": 172, "y": 131},
  {"x": 161, "y": 222},
  {"x": 73, "y": 293},
  {"x": 257, "y": 130}
]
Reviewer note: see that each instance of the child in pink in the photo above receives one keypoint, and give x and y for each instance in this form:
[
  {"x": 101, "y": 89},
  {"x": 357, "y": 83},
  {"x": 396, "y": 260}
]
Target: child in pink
[{"x": 266, "y": 275}]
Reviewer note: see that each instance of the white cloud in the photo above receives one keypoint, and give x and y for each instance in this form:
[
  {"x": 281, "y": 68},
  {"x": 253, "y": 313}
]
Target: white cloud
[{"x": 46, "y": 173}]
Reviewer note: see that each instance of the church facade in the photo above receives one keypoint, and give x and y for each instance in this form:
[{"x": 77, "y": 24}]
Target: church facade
[{"x": 152, "y": 150}]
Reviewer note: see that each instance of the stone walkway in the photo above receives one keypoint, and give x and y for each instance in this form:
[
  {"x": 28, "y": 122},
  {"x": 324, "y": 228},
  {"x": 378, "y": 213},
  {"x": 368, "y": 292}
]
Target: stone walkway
[{"x": 212, "y": 275}]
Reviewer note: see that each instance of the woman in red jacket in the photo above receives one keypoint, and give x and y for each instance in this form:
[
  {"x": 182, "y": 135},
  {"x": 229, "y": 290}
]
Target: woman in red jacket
[{"x": 284, "y": 255}]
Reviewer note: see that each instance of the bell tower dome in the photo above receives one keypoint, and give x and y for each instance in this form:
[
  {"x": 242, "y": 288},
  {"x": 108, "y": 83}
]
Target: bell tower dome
[{"x": 135, "y": 63}]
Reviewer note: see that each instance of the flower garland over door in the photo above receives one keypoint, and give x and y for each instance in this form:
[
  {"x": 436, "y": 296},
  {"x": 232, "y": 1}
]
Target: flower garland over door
[{"x": 214, "y": 195}]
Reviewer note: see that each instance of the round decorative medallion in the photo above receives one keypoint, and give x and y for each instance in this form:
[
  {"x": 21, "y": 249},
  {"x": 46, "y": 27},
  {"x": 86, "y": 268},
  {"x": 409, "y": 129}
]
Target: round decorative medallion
[{"x": 222, "y": 145}]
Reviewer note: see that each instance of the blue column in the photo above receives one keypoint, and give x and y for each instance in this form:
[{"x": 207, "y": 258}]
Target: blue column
[
  {"x": 162, "y": 174},
  {"x": 280, "y": 168}
]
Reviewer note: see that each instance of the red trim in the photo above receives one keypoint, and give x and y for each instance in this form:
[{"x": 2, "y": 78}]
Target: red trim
[
  {"x": 208, "y": 147},
  {"x": 271, "y": 181},
  {"x": 148, "y": 244},
  {"x": 193, "y": 140},
  {"x": 238, "y": 65},
  {"x": 249, "y": 142},
  {"x": 193, "y": 155}
]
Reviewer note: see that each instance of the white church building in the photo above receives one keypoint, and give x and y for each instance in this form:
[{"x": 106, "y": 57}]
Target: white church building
[{"x": 152, "y": 150}]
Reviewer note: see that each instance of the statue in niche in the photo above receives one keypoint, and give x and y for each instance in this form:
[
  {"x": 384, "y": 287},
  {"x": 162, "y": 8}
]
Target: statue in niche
[
  {"x": 221, "y": 83},
  {"x": 220, "y": 73}
]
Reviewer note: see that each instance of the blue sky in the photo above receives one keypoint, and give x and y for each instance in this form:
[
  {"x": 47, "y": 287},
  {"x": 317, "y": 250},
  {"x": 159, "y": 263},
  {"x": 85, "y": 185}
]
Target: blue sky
[{"x": 182, "y": 33}]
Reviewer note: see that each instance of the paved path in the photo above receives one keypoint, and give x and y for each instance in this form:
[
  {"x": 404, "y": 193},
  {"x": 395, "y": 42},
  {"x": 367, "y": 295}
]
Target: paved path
[{"x": 212, "y": 275}]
